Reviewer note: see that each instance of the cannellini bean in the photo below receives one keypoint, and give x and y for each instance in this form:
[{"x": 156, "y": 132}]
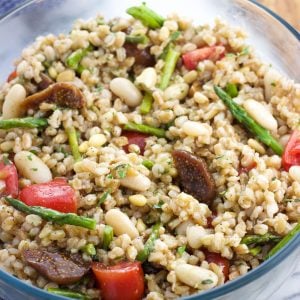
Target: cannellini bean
[
  {"x": 270, "y": 80},
  {"x": 194, "y": 236},
  {"x": 147, "y": 79},
  {"x": 136, "y": 181},
  {"x": 121, "y": 223},
  {"x": 32, "y": 167},
  {"x": 195, "y": 129},
  {"x": 260, "y": 114},
  {"x": 11, "y": 106},
  {"x": 126, "y": 90},
  {"x": 176, "y": 91},
  {"x": 294, "y": 172},
  {"x": 196, "y": 277},
  {"x": 181, "y": 228}
]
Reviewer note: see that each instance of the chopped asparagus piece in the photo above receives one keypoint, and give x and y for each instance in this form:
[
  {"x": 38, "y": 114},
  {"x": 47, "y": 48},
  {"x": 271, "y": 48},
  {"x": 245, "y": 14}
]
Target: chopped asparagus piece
[
  {"x": 260, "y": 239},
  {"x": 284, "y": 241},
  {"x": 52, "y": 215},
  {"x": 169, "y": 67},
  {"x": 145, "y": 129},
  {"x": 148, "y": 164},
  {"x": 89, "y": 249},
  {"x": 73, "y": 141},
  {"x": 146, "y": 15},
  {"x": 108, "y": 235},
  {"x": 149, "y": 245},
  {"x": 243, "y": 117},
  {"x": 23, "y": 123},
  {"x": 136, "y": 39},
  {"x": 146, "y": 105},
  {"x": 232, "y": 90}
]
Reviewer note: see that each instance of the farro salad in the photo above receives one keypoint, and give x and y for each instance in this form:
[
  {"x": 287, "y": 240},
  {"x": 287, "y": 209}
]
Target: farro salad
[{"x": 145, "y": 158}]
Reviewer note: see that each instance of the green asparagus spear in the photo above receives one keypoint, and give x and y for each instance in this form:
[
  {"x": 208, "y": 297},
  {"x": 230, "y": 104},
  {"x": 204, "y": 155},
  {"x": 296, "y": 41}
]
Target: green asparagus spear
[
  {"x": 108, "y": 235},
  {"x": 136, "y": 39},
  {"x": 68, "y": 293},
  {"x": 146, "y": 105},
  {"x": 148, "y": 163},
  {"x": 254, "y": 251},
  {"x": 260, "y": 239},
  {"x": 53, "y": 215},
  {"x": 231, "y": 90},
  {"x": 146, "y": 15},
  {"x": 169, "y": 67},
  {"x": 173, "y": 37},
  {"x": 89, "y": 249},
  {"x": 243, "y": 117},
  {"x": 145, "y": 129},
  {"x": 284, "y": 241},
  {"x": 75, "y": 58},
  {"x": 23, "y": 123},
  {"x": 149, "y": 245},
  {"x": 72, "y": 137}
]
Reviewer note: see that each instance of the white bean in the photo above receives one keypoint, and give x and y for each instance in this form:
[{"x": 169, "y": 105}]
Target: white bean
[
  {"x": 136, "y": 181},
  {"x": 126, "y": 90},
  {"x": 121, "y": 223},
  {"x": 176, "y": 91},
  {"x": 32, "y": 167},
  {"x": 11, "y": 106},
  {"x": 294, "y": 172},
  {"x": 194, "y": 236},
  {"x": 147, "y": 79},
  {"x": 196, "y": 277},
  {"x": 195, "y": 129},
  {"x": 260, "y": 114}
]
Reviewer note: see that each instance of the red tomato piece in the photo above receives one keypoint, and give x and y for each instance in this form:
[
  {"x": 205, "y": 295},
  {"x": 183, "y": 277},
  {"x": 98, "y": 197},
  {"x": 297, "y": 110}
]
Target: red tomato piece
[
  {"x": 56, "y": 194},
  {"x": 248, "y": 168},
  {"x": 135, "y": 138},
  {"x": 124, "y": 280},
  {"x": 216, "y": 258},
  {"x": 12, "y": 76},
  {"x": 9, "y": 174},
  {"x": 192, "y": 58},
  {"x": 291, "y": 154}
]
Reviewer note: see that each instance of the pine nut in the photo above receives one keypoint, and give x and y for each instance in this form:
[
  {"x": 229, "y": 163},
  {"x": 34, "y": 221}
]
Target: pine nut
[
  {"x": 126, "y": 90},
  {"x": 121, "y": 223},
  {"x": 12, "y": 103},
  {"x": 260, "y": 114},
  {"x": 32, "y": 167},
  {"x": 196, "y": 277}
]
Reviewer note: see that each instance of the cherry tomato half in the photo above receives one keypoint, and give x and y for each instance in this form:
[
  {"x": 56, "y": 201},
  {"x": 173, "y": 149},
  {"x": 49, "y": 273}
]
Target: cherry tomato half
[
  {"x": 291, "y": 154},
  {"x": 122, "y": 281},
  {"x": 56, "y": 194},
  {"x": 9, "y": 174}
]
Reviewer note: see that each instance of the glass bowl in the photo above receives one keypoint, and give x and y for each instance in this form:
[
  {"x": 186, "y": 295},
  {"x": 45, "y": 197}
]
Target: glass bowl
[{"x": 274, "y": 40}]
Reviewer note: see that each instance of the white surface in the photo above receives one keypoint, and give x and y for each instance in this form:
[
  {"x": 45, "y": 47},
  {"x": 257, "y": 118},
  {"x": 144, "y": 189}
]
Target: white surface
[{"x": 290, "y": 289}]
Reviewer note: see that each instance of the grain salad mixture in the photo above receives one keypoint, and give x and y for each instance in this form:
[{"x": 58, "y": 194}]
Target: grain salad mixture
[{"x": 145, "y": 158}]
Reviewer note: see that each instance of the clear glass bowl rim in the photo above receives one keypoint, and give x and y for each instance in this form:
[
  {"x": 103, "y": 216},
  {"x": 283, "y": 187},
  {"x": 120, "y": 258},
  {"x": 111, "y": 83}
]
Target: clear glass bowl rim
[{"x": 207, "y": 295}]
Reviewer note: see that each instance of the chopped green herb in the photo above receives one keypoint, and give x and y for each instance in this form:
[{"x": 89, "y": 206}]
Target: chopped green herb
[
  {"x": 108, "y": 235},
  {"x": 245, "y": 51},
  {"x": 6, "y": 161},
  {"x": 35, "y": 152},
  {"x": 68, "y": 293},
  {"x": 110, "y": 176},
  {"x": 29, "y": 157},
  {"x": 230, "y": 54},
  {"x": 207, "y": 281},
  {"x": 273, "y": 84},
  {"x": 34, "y": 169},
  {"x": 103, "y": 197},
  {"x": 99, "y": 89},
  {"x": 291, "y": 200},
  {"x": 181, "y": 250},
  {"x": 122, "y": 170},
  {"x": 159, "y": 204}
]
